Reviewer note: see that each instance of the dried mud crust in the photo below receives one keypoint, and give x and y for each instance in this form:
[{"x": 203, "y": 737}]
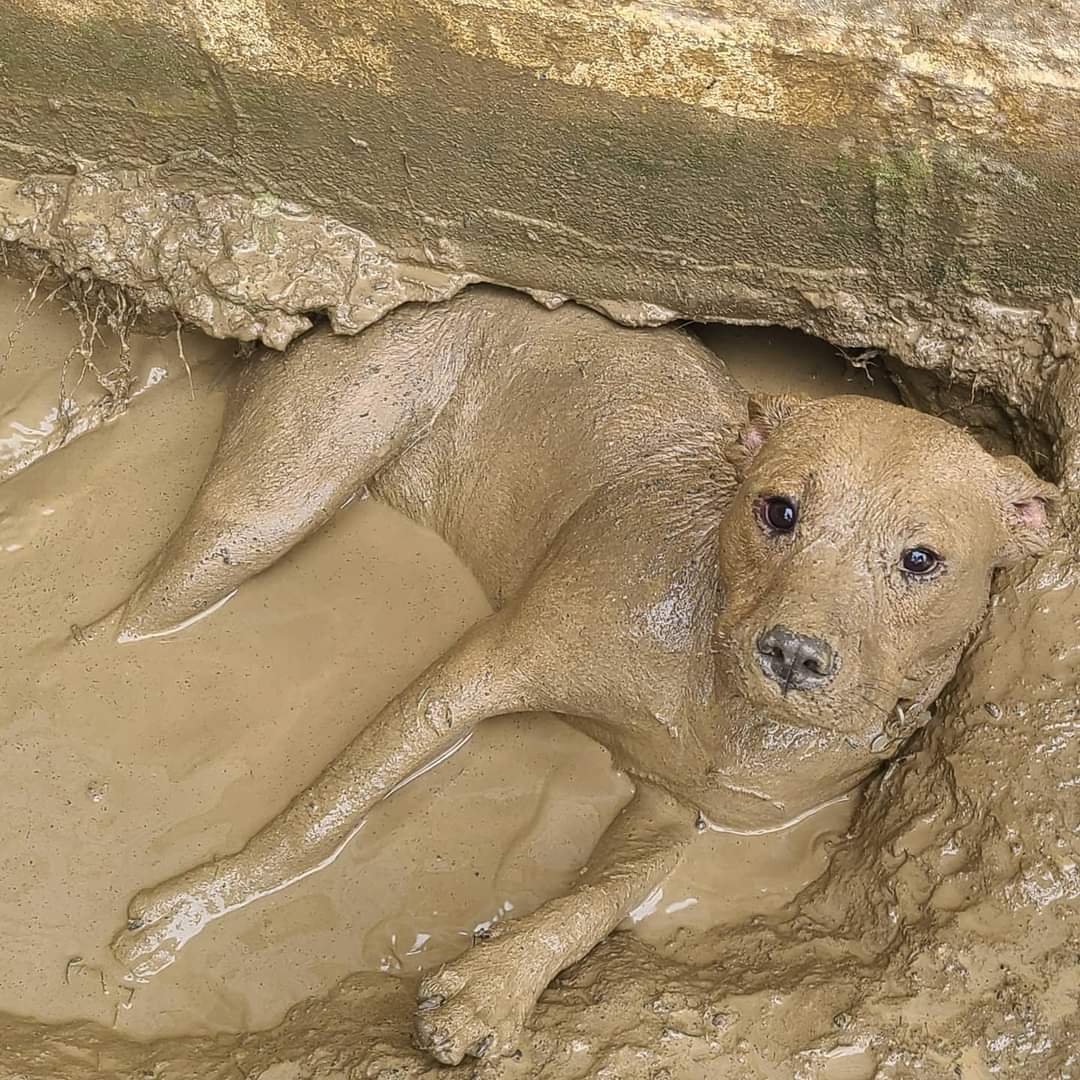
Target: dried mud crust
[
  {"x": 942, "y": 941},
  {"x": 232, "y": 266},
  {"x": 258, "y": 267}
]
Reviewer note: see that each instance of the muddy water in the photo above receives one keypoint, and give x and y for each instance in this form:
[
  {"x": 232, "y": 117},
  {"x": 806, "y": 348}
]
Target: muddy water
[
  {"x": 55, "y": 365},
  {"x": 124, "y": 765}
]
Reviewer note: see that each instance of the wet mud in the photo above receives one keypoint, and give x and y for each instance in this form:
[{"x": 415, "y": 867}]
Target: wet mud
[
  {"x": 825, "y": 950},
  {"x": 125, "y": 765}
]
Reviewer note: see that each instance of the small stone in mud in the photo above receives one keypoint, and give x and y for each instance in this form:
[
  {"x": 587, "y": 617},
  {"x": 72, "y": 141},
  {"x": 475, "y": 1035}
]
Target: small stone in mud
[
  {"x": 993, "y": 710},
  {"x": 96, "y": 790},
  {"x": 722, "y": 1019}
]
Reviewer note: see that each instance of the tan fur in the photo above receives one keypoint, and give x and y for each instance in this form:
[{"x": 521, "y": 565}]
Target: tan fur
[{"x": 605, "y": 486}]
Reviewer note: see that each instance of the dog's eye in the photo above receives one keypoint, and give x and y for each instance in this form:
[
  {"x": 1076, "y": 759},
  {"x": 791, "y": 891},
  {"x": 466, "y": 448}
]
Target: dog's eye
[
  {"x": 779, "y": 514},
  {"x": 919, "y": 561}
]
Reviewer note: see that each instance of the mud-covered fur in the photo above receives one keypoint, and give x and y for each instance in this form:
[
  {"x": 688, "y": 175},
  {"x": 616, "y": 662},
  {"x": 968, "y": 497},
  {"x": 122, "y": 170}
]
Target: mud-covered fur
[{"x": 611, "y": 489}]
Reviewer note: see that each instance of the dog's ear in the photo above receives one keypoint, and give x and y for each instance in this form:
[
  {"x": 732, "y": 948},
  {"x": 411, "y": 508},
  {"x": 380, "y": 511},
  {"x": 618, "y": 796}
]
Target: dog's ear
[
  {"x": 766, "y": 413},
  {"x": 1029, "y": 506}
]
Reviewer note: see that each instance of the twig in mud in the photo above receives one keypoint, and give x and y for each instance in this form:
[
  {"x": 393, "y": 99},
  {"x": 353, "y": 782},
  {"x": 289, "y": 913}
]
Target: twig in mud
[
  {"x": 974, "y": 387},
  {"x": 124, "y": 1003},
  {"x": 183, "y": 355},
  {"x": 864, "y": 361},
  {"x": 23, "y": 313},
  {"x": 94, "y": 304},
  {"x": 78, "y": 965},
  {"x": 120, "y": 318},
  {"x": 65, "y": 411},
  {"x": 52, "y": 295}
]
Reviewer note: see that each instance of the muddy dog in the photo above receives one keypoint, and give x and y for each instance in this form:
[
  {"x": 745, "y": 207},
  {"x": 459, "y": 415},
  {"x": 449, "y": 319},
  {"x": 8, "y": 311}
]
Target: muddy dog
[{"x": 749, "y": 603}]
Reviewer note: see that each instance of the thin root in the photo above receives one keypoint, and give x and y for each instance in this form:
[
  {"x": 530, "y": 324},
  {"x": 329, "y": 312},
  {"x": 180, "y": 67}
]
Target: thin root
[{"x": 183, "y": 355}]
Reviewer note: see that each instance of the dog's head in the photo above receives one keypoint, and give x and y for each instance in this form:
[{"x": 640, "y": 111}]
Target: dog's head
[{"x": 855, "y": 563}]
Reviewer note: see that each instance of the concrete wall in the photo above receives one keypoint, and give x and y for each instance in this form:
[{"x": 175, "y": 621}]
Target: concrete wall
[{"x": 899, "y": 174}]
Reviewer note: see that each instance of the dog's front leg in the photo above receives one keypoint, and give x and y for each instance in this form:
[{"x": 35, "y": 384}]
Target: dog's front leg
[
  {"x": 483, "y": 675},
  {"x": 477, "y": 1005}
]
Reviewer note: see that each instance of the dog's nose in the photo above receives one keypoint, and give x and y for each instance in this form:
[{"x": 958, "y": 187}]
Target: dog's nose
[{"x": 795, "y": 661}]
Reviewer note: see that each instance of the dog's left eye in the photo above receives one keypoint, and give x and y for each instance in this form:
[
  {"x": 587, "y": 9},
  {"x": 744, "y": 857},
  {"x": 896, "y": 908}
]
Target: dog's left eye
[
  {"x": 919, "y": 561},
  {"x": 779, "y": 514}
]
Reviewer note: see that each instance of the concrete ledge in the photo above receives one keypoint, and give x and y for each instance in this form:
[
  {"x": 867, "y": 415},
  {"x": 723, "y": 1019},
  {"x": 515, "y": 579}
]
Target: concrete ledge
[{"x": 901, "y": 178}]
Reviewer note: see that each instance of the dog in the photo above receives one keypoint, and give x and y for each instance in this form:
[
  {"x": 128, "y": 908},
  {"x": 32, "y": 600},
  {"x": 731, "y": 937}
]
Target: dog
[{"x": 750, "y": 602}]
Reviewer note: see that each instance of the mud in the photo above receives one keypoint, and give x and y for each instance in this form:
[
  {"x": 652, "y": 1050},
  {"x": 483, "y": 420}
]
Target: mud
[
  {"x": 905, "y": 170},
  {"x": 954, "y": 885},
  {"x": 256, "y": 267},
  {"x": 123, "y": 765},
  {"x": 70, "y": 361},
  {"x": 223, "y": 263}
]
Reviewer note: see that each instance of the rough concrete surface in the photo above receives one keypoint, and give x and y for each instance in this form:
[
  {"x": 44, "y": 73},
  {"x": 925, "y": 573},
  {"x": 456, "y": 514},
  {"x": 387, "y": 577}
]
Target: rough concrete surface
[{"x": 898, "y": 176}]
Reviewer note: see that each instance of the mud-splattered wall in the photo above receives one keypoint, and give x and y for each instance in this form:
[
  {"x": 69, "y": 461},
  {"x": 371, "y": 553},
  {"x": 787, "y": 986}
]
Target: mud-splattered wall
[{"x": 900, "y": 174}]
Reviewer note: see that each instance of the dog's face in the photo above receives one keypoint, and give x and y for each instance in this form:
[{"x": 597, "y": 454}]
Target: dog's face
[{"x": 855, "y": 563}]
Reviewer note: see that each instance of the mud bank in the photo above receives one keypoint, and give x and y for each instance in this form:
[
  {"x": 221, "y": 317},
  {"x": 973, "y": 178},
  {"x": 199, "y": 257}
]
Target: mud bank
[
  {"x": 901, "y": 178},
  {"x": 258, "y": 268}
]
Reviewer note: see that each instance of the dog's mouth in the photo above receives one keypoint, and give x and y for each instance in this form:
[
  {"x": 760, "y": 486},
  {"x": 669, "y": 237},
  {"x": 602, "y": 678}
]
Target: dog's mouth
[{"x": 872, "y": 725}]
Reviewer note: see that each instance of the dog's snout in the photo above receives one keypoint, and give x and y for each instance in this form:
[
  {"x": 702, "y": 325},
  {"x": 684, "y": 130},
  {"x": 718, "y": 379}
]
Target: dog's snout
[{"x": 795, "y": 661}]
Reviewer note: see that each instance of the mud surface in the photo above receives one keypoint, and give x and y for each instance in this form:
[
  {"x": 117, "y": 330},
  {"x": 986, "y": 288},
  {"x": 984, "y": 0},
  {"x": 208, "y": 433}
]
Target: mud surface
[
  {"x": 70, "y": 361},
  {"x": 940, "y": 940},
  {"x": 127, "y": 765},
  {"x": 124, "y": 765}
]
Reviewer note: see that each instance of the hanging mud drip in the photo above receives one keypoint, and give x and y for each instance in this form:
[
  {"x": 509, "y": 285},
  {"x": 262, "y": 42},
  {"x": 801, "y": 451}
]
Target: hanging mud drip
[{"x": 252, "y": 269}]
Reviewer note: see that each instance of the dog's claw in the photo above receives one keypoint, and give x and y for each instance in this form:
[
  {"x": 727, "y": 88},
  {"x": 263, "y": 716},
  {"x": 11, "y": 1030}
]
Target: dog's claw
[{"x": 467, "y": 1009}]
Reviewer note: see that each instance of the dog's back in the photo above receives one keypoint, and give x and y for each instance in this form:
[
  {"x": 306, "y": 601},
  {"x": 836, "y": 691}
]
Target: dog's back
[{"x": 550, "y": 407}]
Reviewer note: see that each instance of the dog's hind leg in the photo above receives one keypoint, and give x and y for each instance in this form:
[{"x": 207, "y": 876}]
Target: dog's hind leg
[
  {"x": 485, "y": 674},
  {"x": 302, "y": 432},
  {"x": 477, "y": 1005}
]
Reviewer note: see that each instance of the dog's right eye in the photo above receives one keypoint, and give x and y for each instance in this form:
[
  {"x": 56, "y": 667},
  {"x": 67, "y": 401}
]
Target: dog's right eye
[
  {"x": 920, "y": 561},
  {"x": 779, "y": 514}
]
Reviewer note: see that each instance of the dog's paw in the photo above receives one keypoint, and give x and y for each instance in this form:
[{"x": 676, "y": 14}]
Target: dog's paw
[
  {"x": 162, "y": 920},
  {"x": 471, "y": 1007}
]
